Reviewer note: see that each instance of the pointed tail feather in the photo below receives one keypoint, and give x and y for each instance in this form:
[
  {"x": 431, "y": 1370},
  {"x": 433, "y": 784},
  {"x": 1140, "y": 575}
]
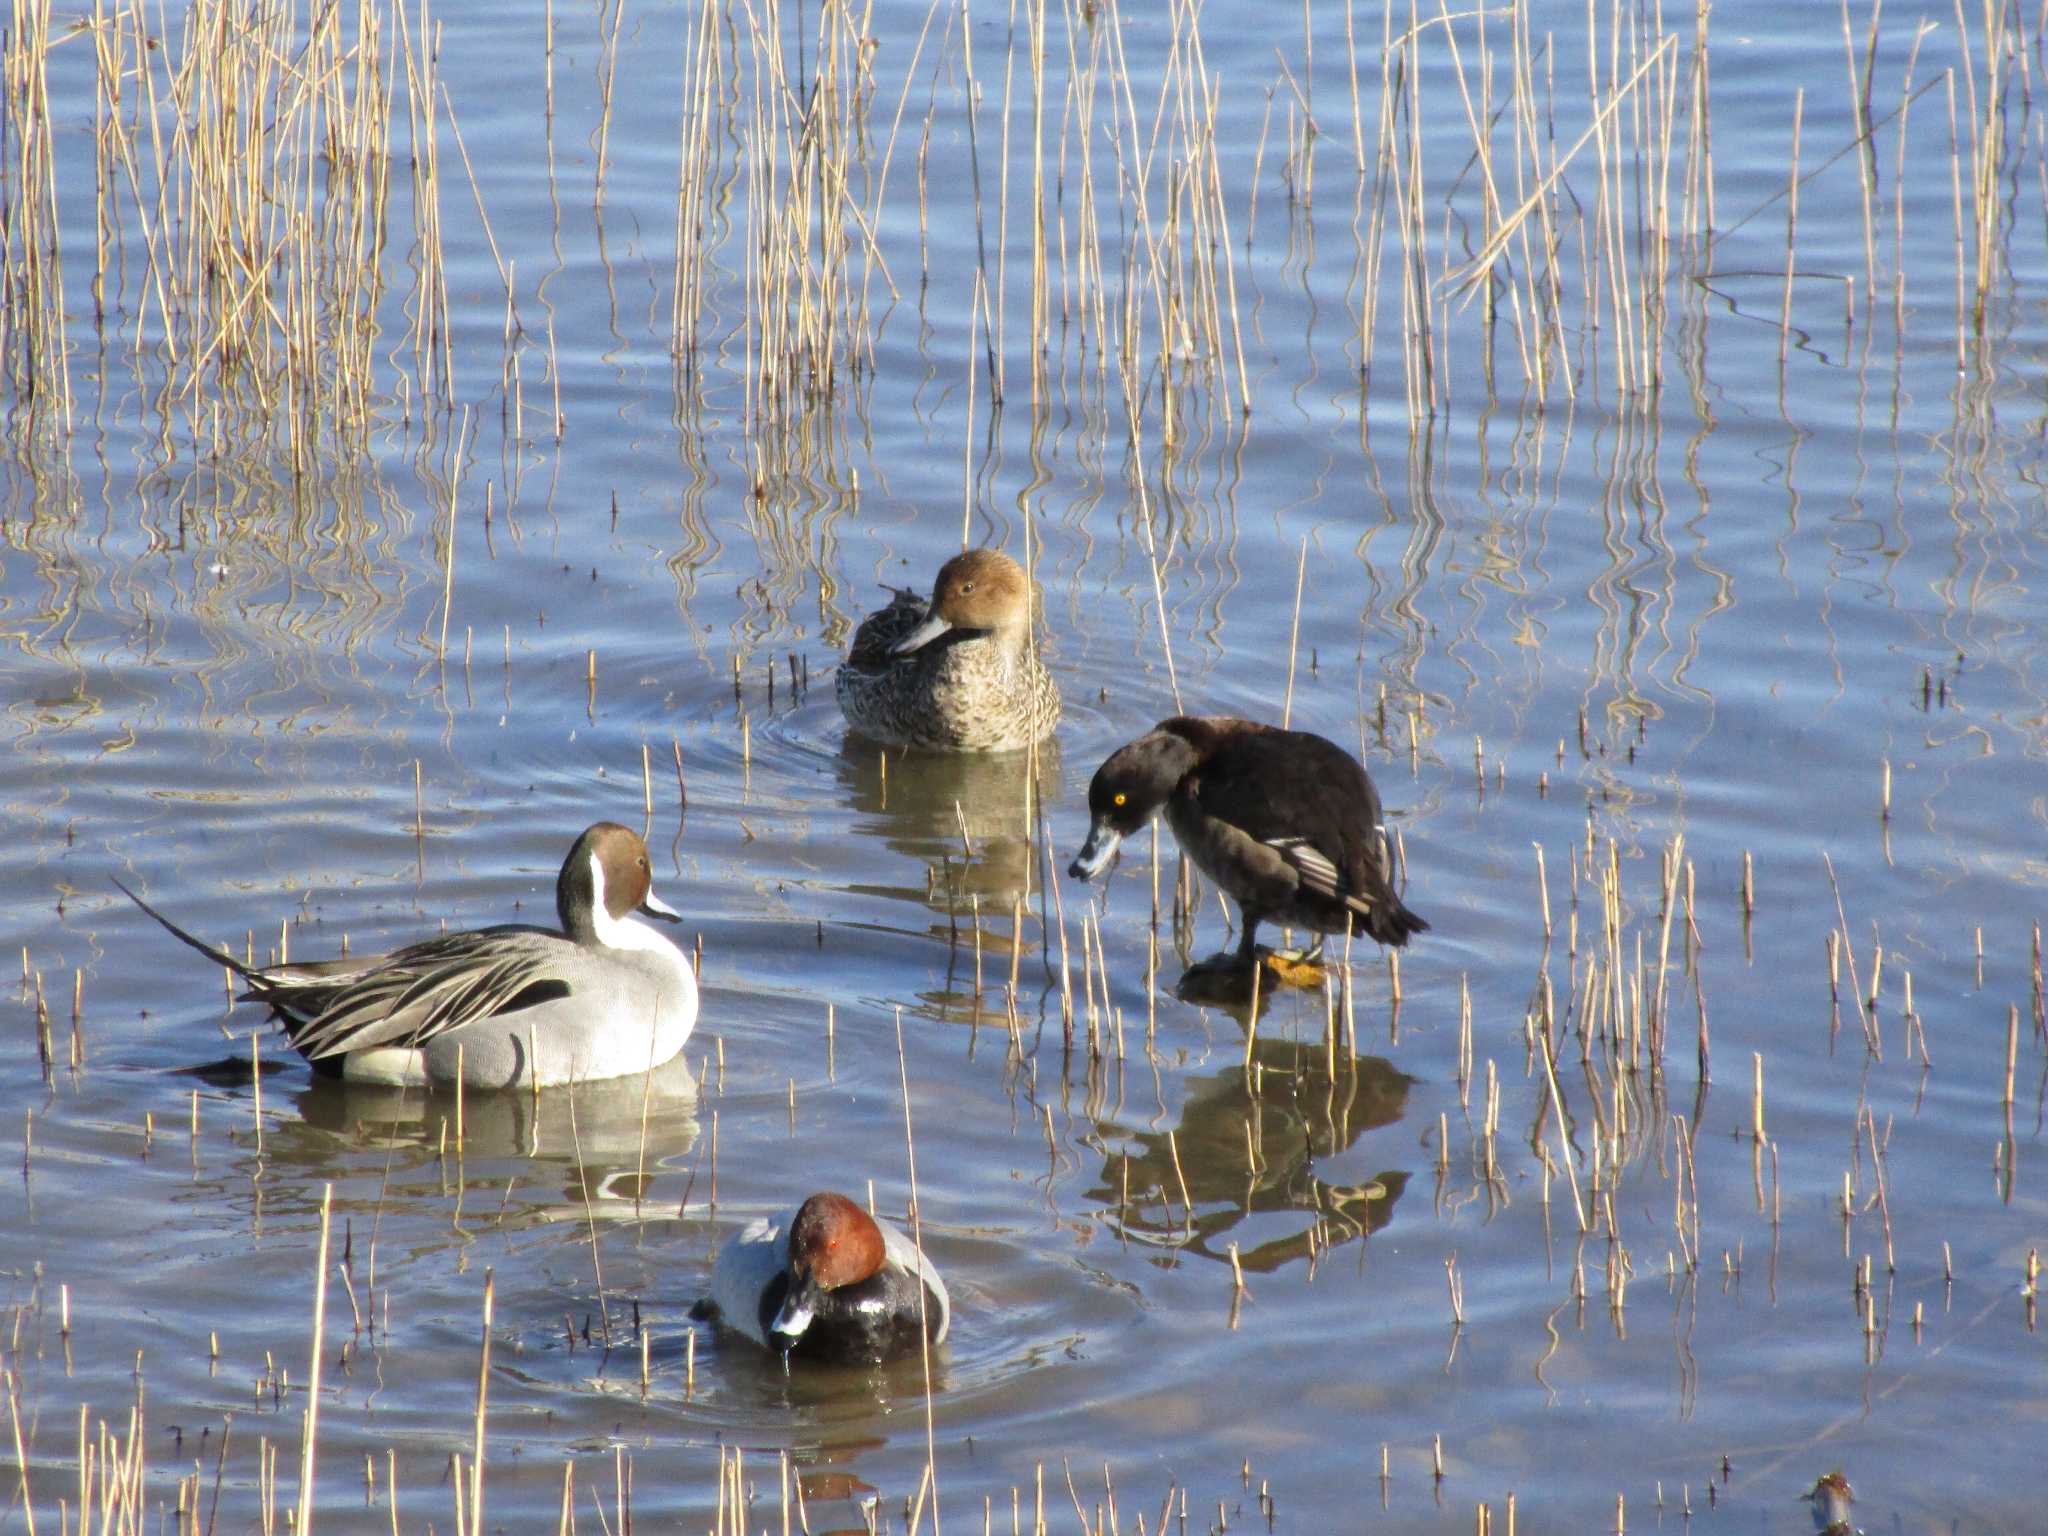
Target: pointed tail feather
[{"x": 218, "y": 956}]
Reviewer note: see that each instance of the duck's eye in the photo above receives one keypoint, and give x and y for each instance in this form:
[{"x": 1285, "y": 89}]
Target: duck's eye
[
  {"x": 1120, "y": 798},
  {"x": 966, "y": 587}
]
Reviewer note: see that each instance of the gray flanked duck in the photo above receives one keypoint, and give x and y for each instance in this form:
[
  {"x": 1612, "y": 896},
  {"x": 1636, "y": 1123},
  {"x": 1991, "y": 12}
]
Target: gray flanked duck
[
  {"x": 827, "y": 1281},
  {"x": 510, "y": 1006},
  {"x": 1287, "y": 822},
  {"x": 957, "y": 674}
]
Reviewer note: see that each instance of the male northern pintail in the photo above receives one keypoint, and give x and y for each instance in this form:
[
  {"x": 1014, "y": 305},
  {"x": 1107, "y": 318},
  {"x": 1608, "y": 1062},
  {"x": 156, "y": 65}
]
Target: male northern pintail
[
  {"x": 827, "y": 1281},
  {"x": 957, "y": 675},
  {"x": 1287, "y": 822},
  {"x": 498, "y": 1007}
]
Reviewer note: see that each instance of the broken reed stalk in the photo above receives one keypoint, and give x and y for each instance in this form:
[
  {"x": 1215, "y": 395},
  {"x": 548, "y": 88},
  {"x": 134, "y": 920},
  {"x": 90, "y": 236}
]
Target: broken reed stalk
[
  {"x": 1563, "y": 1137},
  {"x": 604, "y": 1311},
  {"x": 1187, "y": 1204},
  {"x": 1674, "y": 861},
  {"x": 311, "y": 1427},
  {"x": 1294, "y": 635},
  {"x": 1251, "y": 1033},
  {"x": 483, "y": 1384},
  {"x": 2040, "y": 995},
  {"x": 931, "y": 1461},
  {"x": 1791, "y": 227}
]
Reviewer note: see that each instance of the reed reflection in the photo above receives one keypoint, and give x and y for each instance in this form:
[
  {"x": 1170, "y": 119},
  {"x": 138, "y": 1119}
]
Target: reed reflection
[
  {"x": 968, "y": 817},
  {"x": 623, "y": 1139}
]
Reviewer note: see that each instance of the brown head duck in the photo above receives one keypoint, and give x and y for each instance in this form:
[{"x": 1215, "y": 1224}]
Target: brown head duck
[
  {"x": 956, "y": 674},
  {"x": 827, "y": 1281},
  {"x": 1287, "y": 822}
]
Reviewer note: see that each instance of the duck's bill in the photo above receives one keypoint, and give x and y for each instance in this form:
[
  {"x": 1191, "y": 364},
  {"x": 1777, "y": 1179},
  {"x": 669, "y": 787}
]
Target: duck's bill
[
  {"x": 921, "y": 636},
  {"x": 654, "y": 906},
  {"x": 790, "y": 1322},
  {"x": 1096, "y": 853}
]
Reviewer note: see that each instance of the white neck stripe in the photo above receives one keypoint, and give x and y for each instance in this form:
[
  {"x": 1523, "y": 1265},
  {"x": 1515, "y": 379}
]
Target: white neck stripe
[{"x": 621, "y": 932}]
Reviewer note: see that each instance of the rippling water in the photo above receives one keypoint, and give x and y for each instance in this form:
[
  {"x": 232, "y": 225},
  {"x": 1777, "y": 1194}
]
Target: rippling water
[{"x": 381, "y": 690}]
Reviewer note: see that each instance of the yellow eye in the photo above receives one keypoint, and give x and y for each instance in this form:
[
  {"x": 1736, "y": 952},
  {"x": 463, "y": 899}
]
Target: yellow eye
[{"x": 1119, "y": 799}]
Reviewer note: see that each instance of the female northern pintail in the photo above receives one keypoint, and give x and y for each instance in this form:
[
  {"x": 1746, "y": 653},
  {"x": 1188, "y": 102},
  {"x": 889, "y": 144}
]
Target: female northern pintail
[
  {"x": 957, "y": 675},
  {"x": 498, "y": 1007},
  {"x": 827, "y": 1281},
  {"x": 1287, "y": 822}
]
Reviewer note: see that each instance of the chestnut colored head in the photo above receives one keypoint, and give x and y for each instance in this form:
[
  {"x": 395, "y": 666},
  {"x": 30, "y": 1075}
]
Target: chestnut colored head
[{"x": 833, "y": 1242}]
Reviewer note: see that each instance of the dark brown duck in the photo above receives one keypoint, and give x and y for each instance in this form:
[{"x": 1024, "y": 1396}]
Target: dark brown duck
[{"x": 1287, "y": 822}]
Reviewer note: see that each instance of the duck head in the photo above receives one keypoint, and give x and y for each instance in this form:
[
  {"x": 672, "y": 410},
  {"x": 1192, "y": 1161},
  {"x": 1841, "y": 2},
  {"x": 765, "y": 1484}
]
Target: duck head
[
  {"x": 832, "y": 1243},
  {"x": 1126, "y": 792},
  {"x": 606, "y": 878},
  {"x": 980, "y": 591}
]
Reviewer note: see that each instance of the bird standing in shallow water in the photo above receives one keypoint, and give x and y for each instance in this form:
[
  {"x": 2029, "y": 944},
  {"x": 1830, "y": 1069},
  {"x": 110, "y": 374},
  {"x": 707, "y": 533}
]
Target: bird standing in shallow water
[
  {"x": 1287, "y": 822},
  {"x": 957, "y": 674},
  {"x": 513, "y": 1005}
]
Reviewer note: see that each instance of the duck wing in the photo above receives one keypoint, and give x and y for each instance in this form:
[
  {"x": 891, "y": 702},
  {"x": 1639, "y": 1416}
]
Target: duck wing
[
  {"x": 880, "y": 630},
  {"x": 413, "y": 994},
  {"x": 404, "y": 998},
  {"x": 1313, "y": 804}
]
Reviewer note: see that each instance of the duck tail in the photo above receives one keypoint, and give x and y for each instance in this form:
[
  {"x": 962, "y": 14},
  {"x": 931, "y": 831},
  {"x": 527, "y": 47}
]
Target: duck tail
[
  {"x": 1393, "y": 923},
  {"x": 218, "y": 956}
]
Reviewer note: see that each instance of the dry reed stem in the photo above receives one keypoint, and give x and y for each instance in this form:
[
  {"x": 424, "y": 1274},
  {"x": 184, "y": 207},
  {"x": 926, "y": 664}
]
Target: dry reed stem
[
  {"x": 310, "y": 1431},
  {"x": 1465, "y": 278},
  {"x": 1294, "y": 635},
  {"x": 917, "y": 1240}
]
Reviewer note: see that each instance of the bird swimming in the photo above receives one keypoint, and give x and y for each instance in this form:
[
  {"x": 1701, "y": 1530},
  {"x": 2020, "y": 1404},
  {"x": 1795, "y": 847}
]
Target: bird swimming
[
  {"x": 957, "y": 674},
  {"x": 512, "y": 1005},
  {"x": 827, "y": 1281}
]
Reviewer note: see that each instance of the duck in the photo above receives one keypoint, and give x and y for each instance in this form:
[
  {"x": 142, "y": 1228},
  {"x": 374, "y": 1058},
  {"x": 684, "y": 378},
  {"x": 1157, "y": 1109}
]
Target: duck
[
  {"x": 514, "y": 1005},
  {"x": 826, "y": 1281},
  {"x": 957, "y": 674},
  {"x": 1287, "y": 822}
]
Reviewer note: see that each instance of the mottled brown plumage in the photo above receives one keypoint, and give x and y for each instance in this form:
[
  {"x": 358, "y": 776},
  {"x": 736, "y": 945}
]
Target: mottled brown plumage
[{"x": 957, "y": 674}]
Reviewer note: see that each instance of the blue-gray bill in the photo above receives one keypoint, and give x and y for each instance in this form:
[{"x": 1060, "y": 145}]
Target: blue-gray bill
[
  {"x": 921, "y": 636},
  {"x": 1096, "y": 853},
  {"x": 790, "y": 1322}
]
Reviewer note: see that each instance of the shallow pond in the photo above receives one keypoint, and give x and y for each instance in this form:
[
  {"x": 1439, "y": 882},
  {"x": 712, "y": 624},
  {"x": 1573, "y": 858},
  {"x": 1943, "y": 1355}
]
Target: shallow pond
[{"x": 1639, "y": 576}]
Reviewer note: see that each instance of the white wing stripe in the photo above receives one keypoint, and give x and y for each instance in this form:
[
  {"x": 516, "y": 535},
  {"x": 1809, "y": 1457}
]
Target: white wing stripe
[{"x": 1317, "y": 871}]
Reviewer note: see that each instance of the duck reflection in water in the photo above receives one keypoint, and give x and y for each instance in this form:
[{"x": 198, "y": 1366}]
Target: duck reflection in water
[
  {"x": 1251, "y": 1139},
  {"x": 969, "y": 819},
  {"x": 629, "y": 1140}
]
